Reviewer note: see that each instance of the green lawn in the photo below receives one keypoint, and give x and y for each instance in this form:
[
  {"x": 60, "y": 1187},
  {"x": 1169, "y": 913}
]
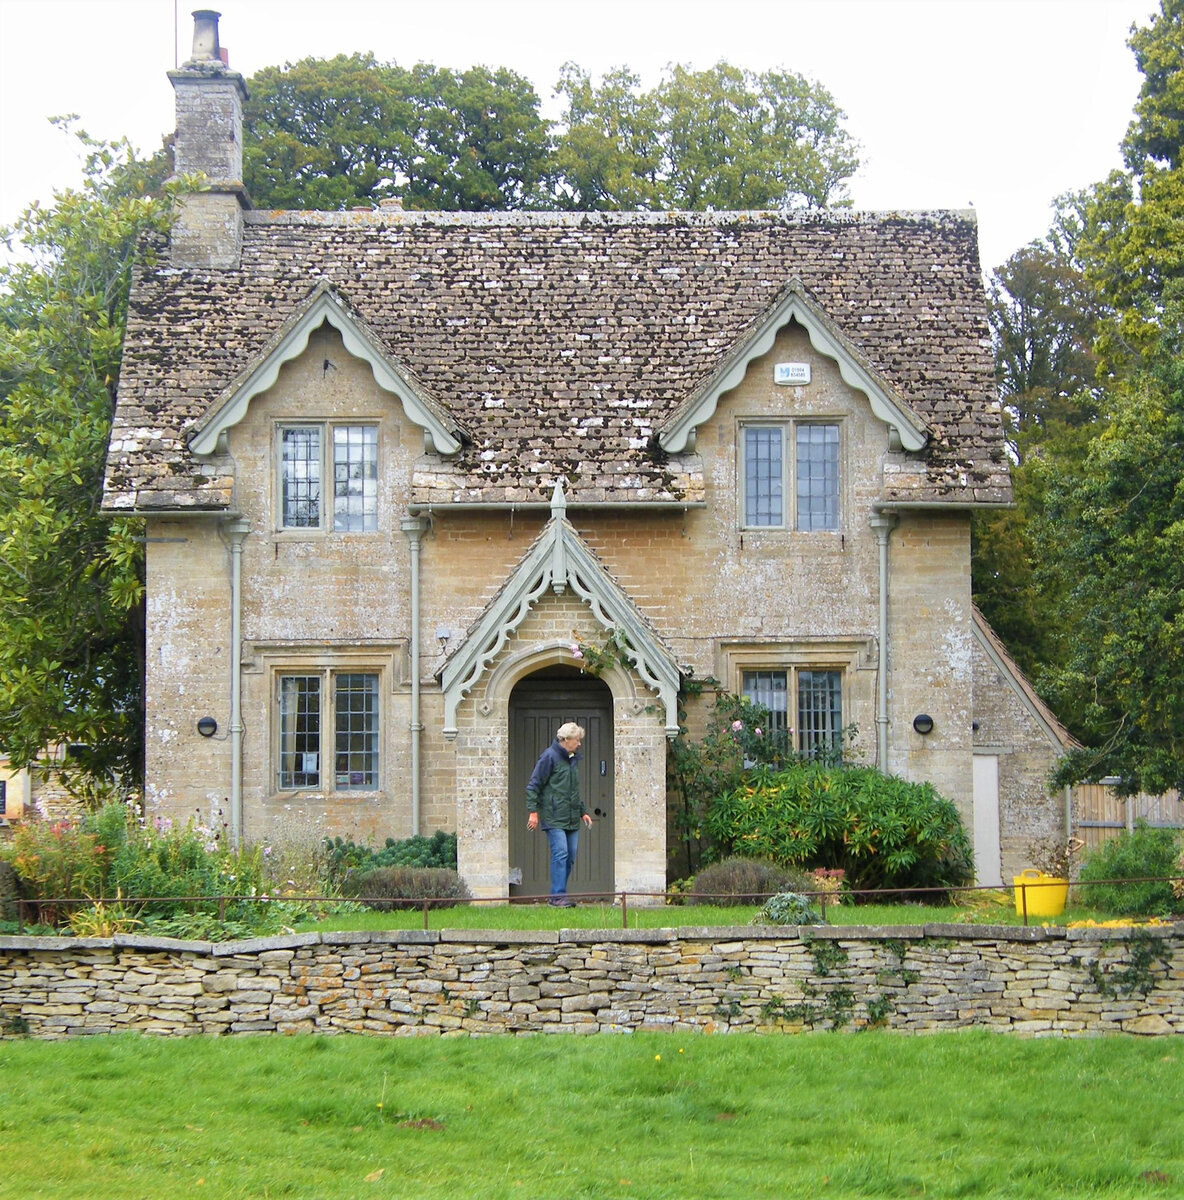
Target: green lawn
[
  {"x": 995, "y": 911},
  {"x": 602, "y": 1118}
]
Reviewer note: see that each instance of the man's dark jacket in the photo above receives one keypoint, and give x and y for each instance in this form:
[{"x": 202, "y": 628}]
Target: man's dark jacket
[{"x": 554, "y": 788}]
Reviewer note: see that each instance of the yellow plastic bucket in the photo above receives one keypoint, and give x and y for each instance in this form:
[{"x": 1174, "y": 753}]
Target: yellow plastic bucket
[{"x": 1044, "y": 895}]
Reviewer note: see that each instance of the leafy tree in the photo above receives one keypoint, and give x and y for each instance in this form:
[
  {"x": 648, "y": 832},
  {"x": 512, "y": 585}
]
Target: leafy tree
[
  {"x": 71, "y": 586},
  {"x": 330, "y": 133},
  {"x": 736, "y": 139},
  {"x": 1044, "y": 321},
  {"x": 1133, "y": 241},
  {"x": 724, "y": 138},
  {"x": 1097, "y": 592},
  {"x": 610, "y": 155},
  {"x": 1113, "y": 534},
  {"x": 1114, "y": 537},
  {"x": 351, "y": 130},
  {"x": 1157, "y": 131}
]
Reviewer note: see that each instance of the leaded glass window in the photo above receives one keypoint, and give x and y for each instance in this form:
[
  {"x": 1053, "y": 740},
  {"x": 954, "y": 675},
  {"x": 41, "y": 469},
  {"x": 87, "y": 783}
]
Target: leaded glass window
[
  {"x": 357, "y": 731},
  {"x": 818, "y": 476},
  {"x": 355, "y": 477},
  {"x": 300, "y": 731},
  {"x": 300, "y": 473},
  {"x": 763, "y": 476}
]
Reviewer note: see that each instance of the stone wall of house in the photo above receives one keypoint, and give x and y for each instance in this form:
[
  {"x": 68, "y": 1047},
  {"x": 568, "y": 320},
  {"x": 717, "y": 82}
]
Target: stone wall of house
[
  {"x": 1044, "y": 981},
  {"x": 931, "y": 646},
  {"x": 1028, "y": 810},
  {"x": 723, "y": 598}
]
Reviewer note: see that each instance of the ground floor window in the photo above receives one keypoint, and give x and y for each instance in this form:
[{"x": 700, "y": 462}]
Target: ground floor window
[
  {"x": 813, "y": 697},
  {"x": 311, "y": 704}
]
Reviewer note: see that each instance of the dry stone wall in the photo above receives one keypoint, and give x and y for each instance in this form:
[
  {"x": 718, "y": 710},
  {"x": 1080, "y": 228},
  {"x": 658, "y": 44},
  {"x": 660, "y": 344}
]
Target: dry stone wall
[{"x": 1042, "y": 981}]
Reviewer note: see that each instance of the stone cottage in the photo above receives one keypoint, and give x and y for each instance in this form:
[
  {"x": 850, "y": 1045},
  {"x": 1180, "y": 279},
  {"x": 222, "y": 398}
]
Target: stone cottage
[{"x": 396, "y": 468}]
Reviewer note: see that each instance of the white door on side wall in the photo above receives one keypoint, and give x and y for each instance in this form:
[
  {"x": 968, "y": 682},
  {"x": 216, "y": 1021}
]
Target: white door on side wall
[{"x": 987, "y": 865}]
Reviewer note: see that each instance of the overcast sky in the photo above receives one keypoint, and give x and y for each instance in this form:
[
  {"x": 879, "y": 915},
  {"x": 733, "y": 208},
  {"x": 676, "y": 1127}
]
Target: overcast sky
[{"x": 999, "y": 104}]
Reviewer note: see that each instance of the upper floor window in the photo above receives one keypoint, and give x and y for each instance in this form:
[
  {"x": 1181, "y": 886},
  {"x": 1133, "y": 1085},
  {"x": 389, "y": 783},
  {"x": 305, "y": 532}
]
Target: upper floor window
[
  {"x": 354, "y": 450},
  {"x": 809, "y": 474}
]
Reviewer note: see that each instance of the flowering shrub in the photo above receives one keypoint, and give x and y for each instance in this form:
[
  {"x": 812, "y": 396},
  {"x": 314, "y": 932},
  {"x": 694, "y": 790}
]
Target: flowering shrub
[
  {"x": 829, "y": 882},
  {"x": 114, "y": 853},
  {"x": 57, "y": 860},
  {"x": 697, "y": 771},
  {"x": 163, "y": 861}
]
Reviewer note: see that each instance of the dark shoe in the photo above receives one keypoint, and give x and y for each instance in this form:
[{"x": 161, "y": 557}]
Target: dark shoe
[{"x": 561, "y": 902}]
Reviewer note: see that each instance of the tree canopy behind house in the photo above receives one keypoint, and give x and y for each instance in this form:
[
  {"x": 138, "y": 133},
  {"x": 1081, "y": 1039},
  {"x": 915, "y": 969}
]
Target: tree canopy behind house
[
  {"x": 1086, "y": 579},
  {"x": 334, "y": 133}
]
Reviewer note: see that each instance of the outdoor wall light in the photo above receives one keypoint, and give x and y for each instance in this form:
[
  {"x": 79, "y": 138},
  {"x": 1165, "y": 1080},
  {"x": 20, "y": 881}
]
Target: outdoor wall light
[
  {"x": 923, "y": 723},
  {"x": 207, "y": 727},
  {"x": 442, "y": 636}
]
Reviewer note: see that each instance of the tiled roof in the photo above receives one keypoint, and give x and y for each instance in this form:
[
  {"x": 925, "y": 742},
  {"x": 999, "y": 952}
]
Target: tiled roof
[{"x": 560, "y": 343}]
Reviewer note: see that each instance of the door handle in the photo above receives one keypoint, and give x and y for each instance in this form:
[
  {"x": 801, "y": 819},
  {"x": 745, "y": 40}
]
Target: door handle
[{"x": 603, "y": 766}]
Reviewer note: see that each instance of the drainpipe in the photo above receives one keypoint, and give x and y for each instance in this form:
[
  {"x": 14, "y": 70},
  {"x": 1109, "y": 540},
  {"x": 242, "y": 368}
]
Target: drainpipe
[
  {"x": 414, "y": 528},
  {"x": 882, "y": 523},
  {"x": 235, "y": 532}
]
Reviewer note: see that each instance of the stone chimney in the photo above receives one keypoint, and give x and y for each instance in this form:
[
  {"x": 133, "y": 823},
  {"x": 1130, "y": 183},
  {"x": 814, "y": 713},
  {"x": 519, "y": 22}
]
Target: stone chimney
[{"x": 208, "y": 231}]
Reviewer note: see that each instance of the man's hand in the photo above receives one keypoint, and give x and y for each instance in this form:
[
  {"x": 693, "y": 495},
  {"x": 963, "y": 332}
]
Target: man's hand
[
  {"x": 588, "y": 820},
  {"x": 532, "y": 822}
]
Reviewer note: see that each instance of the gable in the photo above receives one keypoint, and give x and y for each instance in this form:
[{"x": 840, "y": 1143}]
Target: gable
[
  {"x": 558, "y": 560},
  {"x": 323, "y": 307},
  {"x": 906, "y": 430},
  {"x": 1008, "y": 670}
]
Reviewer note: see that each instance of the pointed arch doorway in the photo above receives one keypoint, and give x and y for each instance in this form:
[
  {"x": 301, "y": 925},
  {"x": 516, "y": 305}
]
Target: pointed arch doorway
[{"x": 539, "y": 704}]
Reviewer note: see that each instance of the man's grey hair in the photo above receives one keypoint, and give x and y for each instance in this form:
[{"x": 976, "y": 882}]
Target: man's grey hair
[{"x": 570, "y": 730}]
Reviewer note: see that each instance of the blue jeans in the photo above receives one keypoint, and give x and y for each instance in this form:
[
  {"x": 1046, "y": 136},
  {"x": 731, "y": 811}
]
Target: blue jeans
[{"x": 563, "y": 843}]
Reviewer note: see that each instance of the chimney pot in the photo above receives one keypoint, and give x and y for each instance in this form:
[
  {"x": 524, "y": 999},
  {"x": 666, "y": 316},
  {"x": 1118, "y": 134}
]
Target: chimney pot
[{"x": 205, "y": 36}]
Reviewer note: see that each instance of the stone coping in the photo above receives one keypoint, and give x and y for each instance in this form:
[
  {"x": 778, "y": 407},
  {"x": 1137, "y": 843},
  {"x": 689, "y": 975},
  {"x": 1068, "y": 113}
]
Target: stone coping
[{"x": 519, "y": 937}]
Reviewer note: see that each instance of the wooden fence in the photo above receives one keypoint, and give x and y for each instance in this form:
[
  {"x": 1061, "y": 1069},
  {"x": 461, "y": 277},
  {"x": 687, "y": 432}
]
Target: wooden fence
[{"x": 1100, "y": 814}]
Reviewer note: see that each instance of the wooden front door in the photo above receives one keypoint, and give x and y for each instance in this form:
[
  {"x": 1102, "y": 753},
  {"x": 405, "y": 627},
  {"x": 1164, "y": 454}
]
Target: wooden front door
[{"x": 539, "y": 704}]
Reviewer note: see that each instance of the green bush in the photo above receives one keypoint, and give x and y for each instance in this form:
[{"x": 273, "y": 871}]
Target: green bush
[
  {"x": 1145, "y": 853},
  {"x": 388, "y": 888},
  {"x": 345, "y": 858},
  {"x": 788, "y": 908},
  {"x": 110, "y": 853},
  {"x": 738, "y": 880},
  {"x": 883, "y": 832},
  {"x": 56, "y": 860}
]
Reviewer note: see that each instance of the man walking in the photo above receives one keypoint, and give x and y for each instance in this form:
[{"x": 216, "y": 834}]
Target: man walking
[{"x": 553, "y": 798}]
